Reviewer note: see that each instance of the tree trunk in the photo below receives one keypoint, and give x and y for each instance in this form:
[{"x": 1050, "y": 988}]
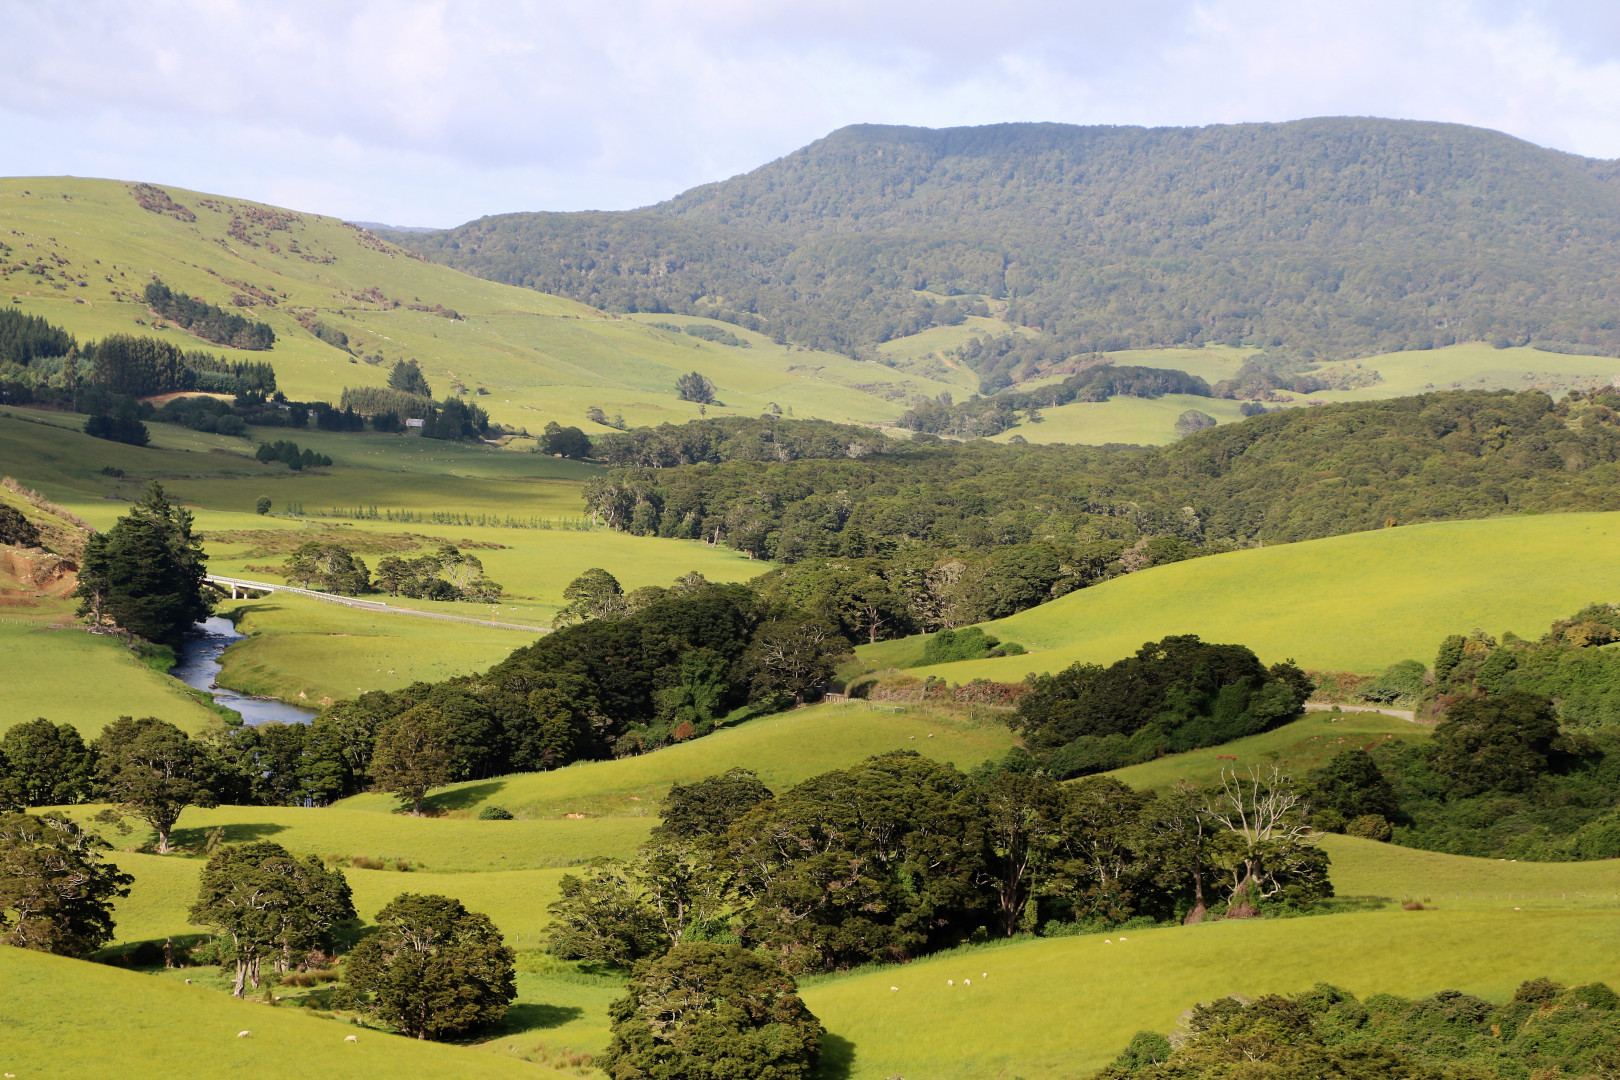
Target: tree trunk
[
  {"x": 1196, "y": 915},
  {"x": 241, "y": 977},
  {"x": 163, "y": 839}
]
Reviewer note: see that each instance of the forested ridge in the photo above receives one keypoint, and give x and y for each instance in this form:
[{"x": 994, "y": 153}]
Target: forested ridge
[
  {"x": 1339, "y": 237},
  {"x": 945, "y": 534}
]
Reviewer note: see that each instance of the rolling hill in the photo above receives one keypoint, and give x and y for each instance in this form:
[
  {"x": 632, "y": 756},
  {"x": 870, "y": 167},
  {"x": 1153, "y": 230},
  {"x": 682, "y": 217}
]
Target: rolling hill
[
  {"x": 81, "y": 252},
  {"x": 1339, "y": 236},
  {"x": 1357, "y": 602}
]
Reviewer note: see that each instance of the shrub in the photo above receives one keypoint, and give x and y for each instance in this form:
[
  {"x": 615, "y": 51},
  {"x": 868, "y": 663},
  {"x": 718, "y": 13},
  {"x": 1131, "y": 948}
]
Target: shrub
[
  {"x": 1371, "y": 827},
  {"x": 494, "y": 813}
]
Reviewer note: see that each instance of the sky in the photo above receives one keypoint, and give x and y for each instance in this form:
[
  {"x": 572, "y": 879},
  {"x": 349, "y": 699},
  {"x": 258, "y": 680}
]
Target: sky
[{"x": 431, "y": 113}]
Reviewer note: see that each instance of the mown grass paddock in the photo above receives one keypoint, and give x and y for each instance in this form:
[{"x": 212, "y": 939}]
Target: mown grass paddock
[{"x": 1358, "y": 602}]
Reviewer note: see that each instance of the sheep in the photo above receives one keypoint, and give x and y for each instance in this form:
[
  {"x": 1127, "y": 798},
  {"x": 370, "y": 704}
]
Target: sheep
[
  {"x": 351, "y": 1038},
  {"x": 950, "y": 982},
  {"x": 894, "y": 988},
  {"x": 967, "y": 982},
  {"x": 243, "y": 1034}
]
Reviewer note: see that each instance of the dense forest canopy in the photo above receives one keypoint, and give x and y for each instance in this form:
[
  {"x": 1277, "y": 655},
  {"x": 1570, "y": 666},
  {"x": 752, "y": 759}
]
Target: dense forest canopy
[{"x": 1336, "y": 237}]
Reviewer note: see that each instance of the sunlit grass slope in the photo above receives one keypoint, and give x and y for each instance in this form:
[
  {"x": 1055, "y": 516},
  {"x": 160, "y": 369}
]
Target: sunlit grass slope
[
  {"x": 783, "y": 749},
  {"x": 70, "y": 1018},
  {"x": 539, "y": 357},
  {"x": 1063, "y": 1008},
  {"x": 1348, "y": 603},
  {"x": 1145, "y": 421},
  {"x": 72, "y": 677},
  {"x": 1368, "y": 868},
  {"x": 1295, "y": 748}
]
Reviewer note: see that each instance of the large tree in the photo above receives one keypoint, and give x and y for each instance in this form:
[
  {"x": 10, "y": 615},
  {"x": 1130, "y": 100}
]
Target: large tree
[
  {"x": 270, "y": 904},
  {"x": 433, "y": 969},
  {"x": 1499, "y": 743},
  {"x": 55, "y": 892},
  {"x": 711, "y": 1012},
  {"x": 793, "y": 655},
  {"x": 45, "y": 764},
  {"x": 146, "y": 572},
  {"x": 154, "y": 770},
  {"x": 414, "y": 752}
]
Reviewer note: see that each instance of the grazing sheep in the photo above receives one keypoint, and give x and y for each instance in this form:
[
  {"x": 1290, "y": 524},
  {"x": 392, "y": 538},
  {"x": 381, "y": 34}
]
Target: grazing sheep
[
  {"x": 950, "y": 982},
  {"x": 1108, "y": 941},
  {"x": 351, "y": 1038},
  {"x": 243, "y": 1034},
  {"x": 894, "y": 988},
  {"x": 967, "y": 982}
]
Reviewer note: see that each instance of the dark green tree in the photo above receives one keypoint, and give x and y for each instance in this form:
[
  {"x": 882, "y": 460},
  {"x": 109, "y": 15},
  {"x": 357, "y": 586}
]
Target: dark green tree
[
  {"x": 568, "y": 442},
  {"x": 694, "y": 386},
  {"x": 1497, "y": 743},
  {"x": 271, "y": 905},
  {"x": 433, "y": 969},
  {"x": 153, "y": 770},
  {"x": 262, "y": 505},
  {"x": 16, "y": 529},
  {"x": 595, "y": 594},
  {"x": 56, "y": 895},
  {"x": 414, "y": 752},
  {"x": 601, "y": 915},
  {"x": 407, "y": 378},
  {"x": 793, "y": 655},
  {"x": 1352, "y": 785},
  {"x": 45, "y": 764},
  {"x": 146, "y": 572},
  {"x": 710, "y": 806},
  {"x": 711, "y": 1012}
]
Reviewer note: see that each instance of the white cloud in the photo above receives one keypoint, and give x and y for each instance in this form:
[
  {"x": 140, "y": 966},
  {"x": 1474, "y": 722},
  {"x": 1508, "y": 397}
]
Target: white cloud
[{"x": 425, "y": 111}]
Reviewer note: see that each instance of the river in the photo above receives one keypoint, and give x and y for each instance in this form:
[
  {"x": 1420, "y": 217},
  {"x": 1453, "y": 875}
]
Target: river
[{"x": 199, "y": 666}]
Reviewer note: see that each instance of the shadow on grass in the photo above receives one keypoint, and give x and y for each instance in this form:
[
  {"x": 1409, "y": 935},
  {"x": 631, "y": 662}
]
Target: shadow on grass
[
  {"x": 528, "y": 1016},
  {"x": 837, "y": 1058},
  {"x": 462, "y": 798},
  {"x": 241, "y": 833}
]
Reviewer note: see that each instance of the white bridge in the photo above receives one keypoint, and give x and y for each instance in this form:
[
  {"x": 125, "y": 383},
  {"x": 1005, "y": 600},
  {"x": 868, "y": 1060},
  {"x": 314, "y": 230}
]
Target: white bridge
[{"x": 243, "y": 586}]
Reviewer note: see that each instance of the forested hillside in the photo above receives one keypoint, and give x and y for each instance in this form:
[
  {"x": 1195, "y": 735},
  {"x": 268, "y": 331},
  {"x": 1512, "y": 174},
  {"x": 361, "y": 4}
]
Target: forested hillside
[{"x": 1334, "y": 237}]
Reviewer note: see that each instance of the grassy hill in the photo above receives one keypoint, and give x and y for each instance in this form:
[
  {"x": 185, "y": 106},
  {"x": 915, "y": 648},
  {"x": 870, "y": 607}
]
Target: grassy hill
[
  {"x": 1357, "y": 602},
  {"x": 80, "y": 252},
  {"x": 1342, "y": 235},
  {"x": 71, "y": 1018}
]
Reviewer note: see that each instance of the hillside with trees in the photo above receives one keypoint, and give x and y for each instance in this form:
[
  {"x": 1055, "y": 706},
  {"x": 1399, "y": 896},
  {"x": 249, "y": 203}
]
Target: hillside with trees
[{"x": 1333, "y": 237}]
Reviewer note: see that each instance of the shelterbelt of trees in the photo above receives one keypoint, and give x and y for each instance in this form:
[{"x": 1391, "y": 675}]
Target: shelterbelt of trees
[
  {"x": 1344, "y": 236},
  {"x": 890, "y": 537}
]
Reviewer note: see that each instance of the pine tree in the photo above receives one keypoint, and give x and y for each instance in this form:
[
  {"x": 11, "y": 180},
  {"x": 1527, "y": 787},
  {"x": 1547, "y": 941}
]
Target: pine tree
[{"x": 146, "y": 572}]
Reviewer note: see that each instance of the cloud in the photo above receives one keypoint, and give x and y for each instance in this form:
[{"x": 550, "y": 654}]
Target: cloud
[{"x": 425, "y": 111}]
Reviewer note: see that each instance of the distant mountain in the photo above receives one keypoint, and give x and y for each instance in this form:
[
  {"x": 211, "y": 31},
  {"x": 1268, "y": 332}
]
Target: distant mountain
[
  {"x": 377, "y": 226},
  {"x": 1338, "y": 237}
]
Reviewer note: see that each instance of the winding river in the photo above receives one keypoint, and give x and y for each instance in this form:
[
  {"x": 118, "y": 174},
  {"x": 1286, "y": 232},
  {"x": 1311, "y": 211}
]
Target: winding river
[{"x": 199, "y": 666}]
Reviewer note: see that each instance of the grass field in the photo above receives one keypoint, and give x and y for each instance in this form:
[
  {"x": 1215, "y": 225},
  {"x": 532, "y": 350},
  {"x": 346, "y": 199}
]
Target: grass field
[
  {"x": 783, "y": 749},
  {"x": 68, "y": 1018},
  {"x": 537, "y": 357},
  {"x": 1062, "y": 1008},
  {"x": 1146, "y": 421},
  {"x": 1347, "y": 603},
  {"x": 1295, "y": 748}
]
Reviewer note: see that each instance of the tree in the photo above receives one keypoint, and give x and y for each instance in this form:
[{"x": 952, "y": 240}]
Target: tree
[
  {"x": 270, "y": 904},
  {"x": 793, "y": 655},
  {"x": 262, "y": 505},
  {"x": 153, "y": 770},
  {"x": 595, "y": 594},
  {"x": 393, "y": 574},
  {"x": 414, "y": 751},
  {"x": 1275, "y": 856},
  {"x": 1499, "y": 743},
  {"x": 433, "y": 969},
  {"x": 407, "y": 378},
  {"x": 1024, "y": 818},
  {"x": 16, "y": 529},
  {"x": 568, "y": 442},
  {"x": 45, "y": 764},
  {"x": 695, "y": 387},
  {"x": 55, "y": 892},
  {"x": 601, "y": 916},
  {"x": 146, "y": 572},
  {"x": 711, "y": 1012},
  {"x": 710, "y": 806},
  {"x": 1352, "y": 785}
]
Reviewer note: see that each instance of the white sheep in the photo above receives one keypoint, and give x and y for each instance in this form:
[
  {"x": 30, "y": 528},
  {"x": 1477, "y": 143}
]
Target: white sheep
[
  {"x": 950, "y": 982},
  {"x": 967, "y": 982},
  {"x": 894, "y": 988},
  {"x": 351, "y": 1038},
  {"x": 243, "y": 1034},
  {"x": 1108, "y": 941}
]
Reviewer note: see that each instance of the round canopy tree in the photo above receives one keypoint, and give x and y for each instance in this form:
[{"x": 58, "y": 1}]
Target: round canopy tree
[
  {"x": 55, "y": 892},
  {"x": 711, "y": 1012}
]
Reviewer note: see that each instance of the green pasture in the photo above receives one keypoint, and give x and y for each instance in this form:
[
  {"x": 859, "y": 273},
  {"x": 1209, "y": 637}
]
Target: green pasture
[
  {"x": 784, "y": 749},
  {"x": 1295, "y": 748},
  {"x": 1452, "y": 882},
  {"x": 69, "y": 1018},
  {"x": 1146, "y": 421},
  {"x": 1065, "y": 1007},
  {"x": 1346, "y": 603},
  {"x": 1475, "y": 366},
  {"x": 68, "y": 676},
  {"x": 525, "y": 356}
]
